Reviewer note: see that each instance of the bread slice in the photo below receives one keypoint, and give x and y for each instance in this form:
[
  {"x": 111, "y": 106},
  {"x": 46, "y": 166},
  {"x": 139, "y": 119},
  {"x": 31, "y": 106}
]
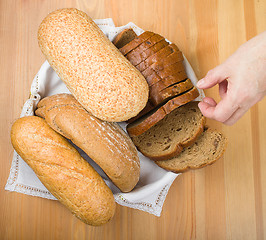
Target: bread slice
[
  {"x": 136, "y": 42},
  {"x": 145, "y": 45},
  {"x": 124, "y": 37},
  {"x": 208, "y": 148},
  {"x": 174, "y": 57},
  {"x": 168, "y": 137},
  {"x": 140, "y": 56},
  {"x": 159, "y": 96},
  {"x": 161, "y": 54},
  {"x": 144, "y": 123},
  {"x": 167, "y": 70},
  {"x": 168, "y": 81}
]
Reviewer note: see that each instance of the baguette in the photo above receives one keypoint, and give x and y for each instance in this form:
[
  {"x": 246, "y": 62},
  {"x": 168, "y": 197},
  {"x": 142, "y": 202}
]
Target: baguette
[
  {"x": 95, "y": 72},
  {"x": 105, "y": 142},
  {"x": 62, "y": 170}
]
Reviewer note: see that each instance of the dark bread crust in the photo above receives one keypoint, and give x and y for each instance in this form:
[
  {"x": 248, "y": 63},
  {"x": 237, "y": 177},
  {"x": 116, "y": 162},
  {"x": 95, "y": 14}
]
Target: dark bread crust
[
  {"x": 136, "y": 42},
  {"x": 161, "y": 54},
  {"x": 139, "y": 56},
  {"x": 157, "y": 96},
  {"x": 124, "y": 37},
  {"x": 143, "y": 124}
]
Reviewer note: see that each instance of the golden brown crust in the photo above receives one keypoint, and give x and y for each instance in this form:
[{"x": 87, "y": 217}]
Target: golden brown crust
[
  {"x": 78, "y": 50},
  {"x": 62, "y": 170},
  {"x": 143, "y": 124},
  {"x": 106, "y": 143}
]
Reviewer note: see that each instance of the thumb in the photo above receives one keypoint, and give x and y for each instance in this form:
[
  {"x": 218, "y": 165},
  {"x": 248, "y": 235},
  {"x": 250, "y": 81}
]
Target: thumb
[{"x": 213, "y": 77}]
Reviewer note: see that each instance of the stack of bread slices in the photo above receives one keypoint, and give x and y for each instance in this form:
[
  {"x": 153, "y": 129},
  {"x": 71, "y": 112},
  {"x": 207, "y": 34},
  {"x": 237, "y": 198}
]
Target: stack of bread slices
[{"x": 171, "y": 129}]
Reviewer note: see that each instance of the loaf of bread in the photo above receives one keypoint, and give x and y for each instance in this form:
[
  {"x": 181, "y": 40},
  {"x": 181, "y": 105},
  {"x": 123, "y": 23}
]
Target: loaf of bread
[
  {"x": 162, "y": 66},
  {"x": 95, "y": 72},
  {"x": 62, "y": 170},
  {"x": 104, "y": 142}
]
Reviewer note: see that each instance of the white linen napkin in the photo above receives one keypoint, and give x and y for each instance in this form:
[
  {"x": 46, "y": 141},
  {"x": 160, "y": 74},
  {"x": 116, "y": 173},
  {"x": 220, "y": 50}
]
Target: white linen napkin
[{"x": 154, "y": 183}]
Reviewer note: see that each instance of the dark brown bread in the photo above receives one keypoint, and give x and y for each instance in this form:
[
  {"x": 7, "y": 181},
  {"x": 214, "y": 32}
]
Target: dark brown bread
[
  {"x": 145, "y": 45},
  {"x": 104, "y": 142},
  {"x": 144, "y": 123},
  {"x": 61, "y": 169},
  {"x": 157, "y": 96},
  {"x": 208, "y": 148},
  {"x": 124, "y": 37},
  {"x": 136, "y": 42},
  {"x": 168, "y": 81},
  {"x": 168, "y": 137},
  {"x": 161, "y": 54},
  {"x": 140, "y": 56},
  {"x": 165, "y": 70}
]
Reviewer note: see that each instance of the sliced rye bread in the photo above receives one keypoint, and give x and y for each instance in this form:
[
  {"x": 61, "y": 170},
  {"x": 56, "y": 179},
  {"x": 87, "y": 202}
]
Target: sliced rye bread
[
  {"x": 144, "y": 123},
  {"x": 167, "y": 70},
  {"x": 140, "y": 56},
  {"x": 173, "y": 57},
  {"x": 154, "y": 78},
  {"x": 208, "y": 148},
  {"x": 168, "y": 81},
  {"x": 136, "y": 42},
  {"x": 161, "y": 54},
  {"x": 168, "y": 137},
  {"x": 124, "y": 37},
  {"x": 145, "y": 45},
  {"x": 157, "y": 96}
]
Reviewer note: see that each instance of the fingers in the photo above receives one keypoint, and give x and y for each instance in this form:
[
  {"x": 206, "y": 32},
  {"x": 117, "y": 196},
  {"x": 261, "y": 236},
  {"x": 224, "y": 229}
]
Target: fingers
[
  {"x": 213, "y": 77},
  {"x": 220, "y": 112},
  {"x": 223, "y": 88},
  {"x": 209, "y": 101}
]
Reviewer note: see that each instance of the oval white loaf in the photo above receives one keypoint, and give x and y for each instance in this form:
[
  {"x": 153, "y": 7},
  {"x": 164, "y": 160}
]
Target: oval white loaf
[
  {"x": 95, "y": 72},
  {"x": 59, "y": 166},
  {"x": 105, "y": 142}
]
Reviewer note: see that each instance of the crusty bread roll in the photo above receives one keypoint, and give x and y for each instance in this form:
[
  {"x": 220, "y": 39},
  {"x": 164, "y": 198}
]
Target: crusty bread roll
[
  {"x": 95, "y": 72},
  {"x": 105, "y": 142},
  {"x": 62, "y": 170}
]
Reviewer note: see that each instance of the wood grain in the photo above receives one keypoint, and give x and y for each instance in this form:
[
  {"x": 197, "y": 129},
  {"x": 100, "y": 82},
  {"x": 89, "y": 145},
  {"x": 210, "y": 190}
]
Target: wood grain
[{"x": 224, "y": 201}]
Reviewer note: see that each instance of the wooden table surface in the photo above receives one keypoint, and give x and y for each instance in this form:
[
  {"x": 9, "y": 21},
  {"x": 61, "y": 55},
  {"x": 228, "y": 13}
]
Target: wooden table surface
[{"x": 224, "y": 201}]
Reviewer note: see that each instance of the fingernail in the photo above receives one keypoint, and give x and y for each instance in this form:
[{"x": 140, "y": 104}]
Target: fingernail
[{"x": 200, "y": 82}]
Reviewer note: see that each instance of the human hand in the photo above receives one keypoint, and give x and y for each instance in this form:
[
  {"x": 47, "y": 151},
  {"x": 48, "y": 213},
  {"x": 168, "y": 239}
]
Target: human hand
[{"x": 241, "y": 79}]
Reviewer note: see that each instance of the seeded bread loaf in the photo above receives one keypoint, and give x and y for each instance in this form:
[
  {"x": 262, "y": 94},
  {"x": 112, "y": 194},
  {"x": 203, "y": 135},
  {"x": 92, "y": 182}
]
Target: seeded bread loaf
[
  {"x": 208, "y": 148},
  {"x": 61, "y": 169},
  {"x": 95, "y": 72},
  {"x": 144, "y": 123},
  {"x": 168, "y": 137},
  {"x": 104, "y": 142},
  {"x": 124, "y": 37}
]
